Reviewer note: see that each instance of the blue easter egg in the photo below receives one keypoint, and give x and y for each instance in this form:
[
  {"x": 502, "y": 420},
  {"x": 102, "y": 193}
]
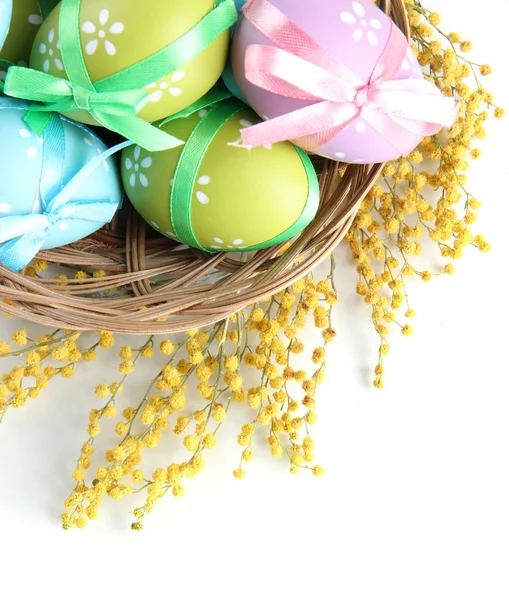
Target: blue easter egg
[
  {"x": 5, "y": 19},
  {"x": 23, "y": 167}
]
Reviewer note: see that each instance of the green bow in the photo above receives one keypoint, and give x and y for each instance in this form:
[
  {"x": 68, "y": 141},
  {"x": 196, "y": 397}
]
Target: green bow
[
  {"x": 115, "y": 101},
  {"x": 109, "y": 109}
]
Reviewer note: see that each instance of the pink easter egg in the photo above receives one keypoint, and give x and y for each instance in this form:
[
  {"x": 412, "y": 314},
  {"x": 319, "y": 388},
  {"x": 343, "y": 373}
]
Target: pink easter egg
[{"x": 354, "y": 32}]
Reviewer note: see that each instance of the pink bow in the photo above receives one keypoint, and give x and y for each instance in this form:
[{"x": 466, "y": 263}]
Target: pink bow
[{"x": 300, "y": 68}]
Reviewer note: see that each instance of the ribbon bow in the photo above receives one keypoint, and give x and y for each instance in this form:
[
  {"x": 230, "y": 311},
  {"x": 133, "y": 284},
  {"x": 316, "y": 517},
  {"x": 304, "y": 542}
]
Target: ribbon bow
[
  {"x": 298, "y": 67},
  {"x": 110, "y": 109},
  {"x": 22, "y": 237},
  {"x": 115, "y": 101}
]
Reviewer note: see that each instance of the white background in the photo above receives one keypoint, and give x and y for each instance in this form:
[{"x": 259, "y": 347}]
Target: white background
[{"x": 415, "y": 501}]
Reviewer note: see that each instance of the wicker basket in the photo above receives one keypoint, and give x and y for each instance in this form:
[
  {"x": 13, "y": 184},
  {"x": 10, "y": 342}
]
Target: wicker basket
[{"x": 155, "y": 286}]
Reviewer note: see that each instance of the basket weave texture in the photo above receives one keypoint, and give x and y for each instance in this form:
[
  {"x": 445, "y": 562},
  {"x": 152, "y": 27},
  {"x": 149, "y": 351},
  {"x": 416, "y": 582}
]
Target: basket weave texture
[{"x": 156, "y": 286}]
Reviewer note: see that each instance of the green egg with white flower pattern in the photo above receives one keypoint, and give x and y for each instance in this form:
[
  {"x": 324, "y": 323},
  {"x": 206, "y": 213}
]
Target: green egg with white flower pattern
[
  {"x": 233, "y": 198},
  {"x": 24, "y": 23},
  {"x": 116, "y": 34}
]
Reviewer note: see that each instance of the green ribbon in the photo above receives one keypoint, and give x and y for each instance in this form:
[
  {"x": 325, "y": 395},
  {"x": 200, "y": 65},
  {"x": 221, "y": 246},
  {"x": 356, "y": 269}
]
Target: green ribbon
[
  {"x": 216, "y": 94},
  {"x": 115, "y": 101},
  {"x": 4, "y": 66},
  {"x": 189, "y": 164}
]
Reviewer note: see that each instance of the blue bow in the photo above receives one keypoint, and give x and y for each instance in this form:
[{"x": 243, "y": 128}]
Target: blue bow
[
  {"x": 24, "y": 236},
  {"x": 28, "y": 233}
]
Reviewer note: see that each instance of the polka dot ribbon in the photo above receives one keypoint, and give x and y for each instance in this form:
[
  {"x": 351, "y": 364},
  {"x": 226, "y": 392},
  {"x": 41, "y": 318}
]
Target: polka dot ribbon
[
  {"x": 113, "y": 102},
  {"x": 22, "y": 237}
]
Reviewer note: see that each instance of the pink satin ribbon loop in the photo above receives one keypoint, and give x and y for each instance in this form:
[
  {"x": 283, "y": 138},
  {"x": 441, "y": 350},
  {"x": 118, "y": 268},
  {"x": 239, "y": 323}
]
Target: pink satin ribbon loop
[
  {"x": 272, "y": 68},
  {"x": 300, "y": 68}
]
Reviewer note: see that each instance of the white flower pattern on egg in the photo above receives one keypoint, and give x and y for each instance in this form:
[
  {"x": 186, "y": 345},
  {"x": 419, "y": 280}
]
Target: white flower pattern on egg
[
  {"x": 35, "y": 19},
  {"x": 136, "y": 168},
  {"x": 100, "y": 34},
  {"x": 52, "y": 52},
  {"x": 357, "y": 18},
  {"x": 200, "y": 195},
  {"x": 164, "y": 86},
  {"x": 341, "y": 156},
  {"x": 410, "y": 63},
  {"x": 32, "y": 151},
  {"x": 220, "y": 244}
]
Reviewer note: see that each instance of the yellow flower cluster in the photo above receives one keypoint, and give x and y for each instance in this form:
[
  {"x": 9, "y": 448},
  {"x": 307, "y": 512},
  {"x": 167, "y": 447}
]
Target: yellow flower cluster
[
  {"x": 280, "y": 400},
  {"x": 399, "y": 212},
  {"x": 49, "y": 356}
]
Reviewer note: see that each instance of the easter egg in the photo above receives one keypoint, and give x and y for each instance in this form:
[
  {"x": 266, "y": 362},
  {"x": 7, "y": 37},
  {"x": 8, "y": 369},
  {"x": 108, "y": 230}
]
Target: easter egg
[
  {"x": 19, "y": 22},
  {"x": 33, "y": 170},
  {"x": 216, "y": 194},
  {"x": 117, "y": 34},
  {"x": 354, "y": 33}
]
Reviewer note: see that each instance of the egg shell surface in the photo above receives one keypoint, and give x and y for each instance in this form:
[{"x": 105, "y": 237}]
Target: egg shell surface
[{"x": 355, "y": 32}]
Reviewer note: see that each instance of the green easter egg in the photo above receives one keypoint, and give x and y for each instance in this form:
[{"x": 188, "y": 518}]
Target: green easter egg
[
  {"x": 116, "y": 34},
  {"x": 215, "y": 193},
  {"x": 25, "y": 23}
]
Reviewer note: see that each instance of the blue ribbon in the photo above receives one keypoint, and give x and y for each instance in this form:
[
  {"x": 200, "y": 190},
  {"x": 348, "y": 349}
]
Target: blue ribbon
[{"x": 22, "y": 237}]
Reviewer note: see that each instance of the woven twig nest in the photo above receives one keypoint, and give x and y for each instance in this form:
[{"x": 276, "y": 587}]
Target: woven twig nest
[{"x": 154, "y": 285}]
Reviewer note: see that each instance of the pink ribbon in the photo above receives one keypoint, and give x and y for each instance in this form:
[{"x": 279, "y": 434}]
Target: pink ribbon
[{"x": 300, "y": 68}]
